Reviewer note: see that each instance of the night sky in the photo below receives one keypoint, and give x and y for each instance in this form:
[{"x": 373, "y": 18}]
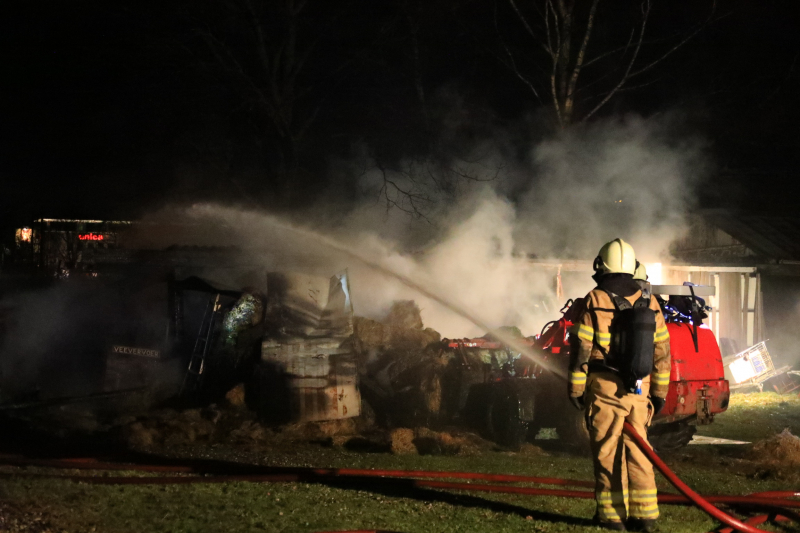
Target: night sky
[{"x": 113, "y": 107}]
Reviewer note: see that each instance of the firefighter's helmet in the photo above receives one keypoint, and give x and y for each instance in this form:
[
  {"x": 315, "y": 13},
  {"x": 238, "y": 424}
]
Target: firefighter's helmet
[
  {"x": 616, "y": 257},
  {"x": 641, "y": 272}
]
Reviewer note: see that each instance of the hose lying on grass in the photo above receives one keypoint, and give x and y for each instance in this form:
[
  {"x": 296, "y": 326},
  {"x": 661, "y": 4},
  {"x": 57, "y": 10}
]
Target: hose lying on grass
[
  {"x": 703, "y": 503},
  {"x": 777, "y": 503}
]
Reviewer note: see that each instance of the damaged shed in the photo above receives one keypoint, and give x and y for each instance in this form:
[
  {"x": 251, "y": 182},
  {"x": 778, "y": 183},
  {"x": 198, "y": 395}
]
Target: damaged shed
[{"x": 752, "y": 260}]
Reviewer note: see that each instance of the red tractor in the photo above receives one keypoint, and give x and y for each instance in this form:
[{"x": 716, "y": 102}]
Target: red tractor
[{"x": 512, "y": 404}]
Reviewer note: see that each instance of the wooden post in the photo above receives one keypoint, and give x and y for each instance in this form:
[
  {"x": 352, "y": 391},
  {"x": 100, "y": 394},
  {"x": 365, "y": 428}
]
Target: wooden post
[{"x": 745, "y": 307}]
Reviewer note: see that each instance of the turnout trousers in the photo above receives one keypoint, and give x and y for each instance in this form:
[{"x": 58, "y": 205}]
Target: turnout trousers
[{"x": 624, "y": 481}]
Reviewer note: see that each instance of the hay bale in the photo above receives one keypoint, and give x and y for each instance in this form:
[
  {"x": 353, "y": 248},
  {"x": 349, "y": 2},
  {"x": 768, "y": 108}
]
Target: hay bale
[
  {"x": 332, "y": 428},
  {"x": 406, "y": 333},
  {"x": 204, "y": 429},
  {"x": 412, "y": 341},
  {"x": 136, "y": 435},
  {"x": 529, "y": 449},
  {"x": 170, "y": 428},
  {"x": 402, "y": 441},
  {"x": 212, "y": 414},
  {"x": 780, "y": 450},
  {"x": 368, "y": 335},
  {"x": 234, "y": 398},
  {"x": 339, "y": 441},
  {"x": 404, "y": 314},
  {"x": 404, "y": 363},
  {"x": 431, "y": 388},
  {"x": 178, "y": 431},
  {"x": 179, "y": 438},
  {"x": 249, "y": 432},
  {"x": 430, "y": 442},
  {"x": 302, "y": 431}
]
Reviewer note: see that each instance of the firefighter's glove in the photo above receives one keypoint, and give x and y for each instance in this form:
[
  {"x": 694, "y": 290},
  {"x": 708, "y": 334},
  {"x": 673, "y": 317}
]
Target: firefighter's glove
[
  {"x": 578, "y": 402},
  {"x": 658, "y": 404}
]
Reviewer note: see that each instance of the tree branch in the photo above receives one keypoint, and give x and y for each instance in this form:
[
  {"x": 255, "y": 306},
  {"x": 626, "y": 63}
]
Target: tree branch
[
  {"x": 412, "y": 199},
  {"x": 612, "y": 52},
  {"x": 581, "y": 53},
  {"x": 513, "y": 65},
  {"x": 645, "y": 16}
]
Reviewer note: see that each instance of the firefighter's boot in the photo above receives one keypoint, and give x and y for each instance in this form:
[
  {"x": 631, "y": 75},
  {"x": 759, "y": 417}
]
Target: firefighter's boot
[
  {"x": 641, "y": 524},
  {"x": 608, "y": 524}
]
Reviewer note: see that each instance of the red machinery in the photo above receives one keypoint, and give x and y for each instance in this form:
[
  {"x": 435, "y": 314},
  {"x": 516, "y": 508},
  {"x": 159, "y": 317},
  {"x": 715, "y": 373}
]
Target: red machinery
[
  {"x": 511, "y": 402},
  {"x": 697, "y": 390}
]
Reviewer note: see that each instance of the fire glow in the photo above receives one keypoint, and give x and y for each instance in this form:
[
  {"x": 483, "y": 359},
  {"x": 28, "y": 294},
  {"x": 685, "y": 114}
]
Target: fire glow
[{"x": 90, "y": 237}]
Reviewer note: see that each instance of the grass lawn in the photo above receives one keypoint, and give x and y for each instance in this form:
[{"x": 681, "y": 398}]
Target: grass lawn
[
  {"x": 297, "y": 507},
  {"x": 752, "y": 417}
]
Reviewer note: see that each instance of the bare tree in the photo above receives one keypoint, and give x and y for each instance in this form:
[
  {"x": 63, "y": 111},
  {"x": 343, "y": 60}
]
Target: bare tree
[
  {"x": 561, "y": 48},
  {"x": 263, "y": 51},
  {"x": 418, "y": 186}
]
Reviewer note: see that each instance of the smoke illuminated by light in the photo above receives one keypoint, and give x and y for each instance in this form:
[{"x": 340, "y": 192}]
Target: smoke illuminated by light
[{"x": 654, "y": 273}]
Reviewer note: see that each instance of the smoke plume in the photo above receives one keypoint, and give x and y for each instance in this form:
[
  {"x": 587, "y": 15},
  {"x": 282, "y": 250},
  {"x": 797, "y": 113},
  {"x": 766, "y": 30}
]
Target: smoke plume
[{"x": 479, "y": 229}]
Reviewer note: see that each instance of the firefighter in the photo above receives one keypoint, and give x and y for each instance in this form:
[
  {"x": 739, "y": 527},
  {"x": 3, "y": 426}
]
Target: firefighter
[
  {"x": 640, "y": 277},
  {"x": 612, "y": 382}
]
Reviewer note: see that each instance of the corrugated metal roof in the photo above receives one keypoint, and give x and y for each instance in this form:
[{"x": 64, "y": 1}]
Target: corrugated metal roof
[{"x": 769, "y": 236}]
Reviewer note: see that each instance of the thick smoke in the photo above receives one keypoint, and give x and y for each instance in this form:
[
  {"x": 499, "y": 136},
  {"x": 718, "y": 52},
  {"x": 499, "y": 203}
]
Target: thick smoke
[
  {"x": 628, "y": 179},
  {"x": 473, "y": 230},
  {"x": 53, "y": 343}
]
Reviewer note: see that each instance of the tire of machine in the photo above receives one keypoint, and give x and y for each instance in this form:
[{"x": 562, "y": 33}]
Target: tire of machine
[
  {"x": 509, "y": 413},
  {"x": 572, "y": 430},
  {"x": 671, "y": 436}
]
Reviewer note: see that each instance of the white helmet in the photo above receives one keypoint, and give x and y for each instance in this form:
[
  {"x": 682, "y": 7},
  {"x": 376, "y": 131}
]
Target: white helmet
[
  {"x": 616, "y": 257},
  {"x": 641, "y": 272}
]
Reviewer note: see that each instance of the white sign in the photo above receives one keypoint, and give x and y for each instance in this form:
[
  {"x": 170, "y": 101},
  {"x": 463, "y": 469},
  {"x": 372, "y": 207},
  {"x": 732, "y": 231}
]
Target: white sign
[{"x": 742, "y": 370}]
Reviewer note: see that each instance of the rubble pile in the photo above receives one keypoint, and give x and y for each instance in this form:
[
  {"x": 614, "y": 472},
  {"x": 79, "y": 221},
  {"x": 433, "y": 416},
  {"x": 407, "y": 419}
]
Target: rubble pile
[
  {"x": 232, "y": 424},
  {"x": 403, "y": 368},
  {"x": 780, "y": 450},
  {"x": 168, "y": 427},
  {"x": 411, "y": 378},
  {"x": 401, "y": 364},
  {"x": 425, "y": 441},
  {"x": 397, "y": 343}
]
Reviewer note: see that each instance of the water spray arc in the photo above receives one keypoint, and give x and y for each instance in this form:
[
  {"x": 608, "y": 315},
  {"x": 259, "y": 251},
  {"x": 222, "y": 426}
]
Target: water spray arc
[
  {"x": 778, "y": 506},
  {"x": 341, "y": 248}
]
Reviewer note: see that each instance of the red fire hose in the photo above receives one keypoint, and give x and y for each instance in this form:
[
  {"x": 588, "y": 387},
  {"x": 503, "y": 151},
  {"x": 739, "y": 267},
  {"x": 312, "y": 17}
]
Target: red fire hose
[
  {"x": 776, "y": 501},
  {"x": 277, "y": 474},
  {"x": 321, "y": 475},
  {"x": 684, "y": 489}
]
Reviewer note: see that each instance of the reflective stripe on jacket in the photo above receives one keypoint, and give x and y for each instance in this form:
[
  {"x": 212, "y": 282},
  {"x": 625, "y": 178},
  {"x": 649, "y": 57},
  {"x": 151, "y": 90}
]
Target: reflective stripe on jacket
[{"x": 593, "y": 332}]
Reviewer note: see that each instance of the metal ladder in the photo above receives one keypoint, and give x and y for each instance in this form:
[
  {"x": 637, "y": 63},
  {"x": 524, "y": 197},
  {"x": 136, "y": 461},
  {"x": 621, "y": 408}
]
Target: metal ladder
[{"x": 202, "y": 346}]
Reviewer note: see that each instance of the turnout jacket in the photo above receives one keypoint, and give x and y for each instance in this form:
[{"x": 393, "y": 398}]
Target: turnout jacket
[{"x": 593, "y": 331}]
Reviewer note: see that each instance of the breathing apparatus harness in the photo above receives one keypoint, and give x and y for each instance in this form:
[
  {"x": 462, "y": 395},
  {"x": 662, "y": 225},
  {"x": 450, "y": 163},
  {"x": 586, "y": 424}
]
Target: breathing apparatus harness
[
  {"x": 633, "y": 326},
  {"x": 630, "y": 353}
]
